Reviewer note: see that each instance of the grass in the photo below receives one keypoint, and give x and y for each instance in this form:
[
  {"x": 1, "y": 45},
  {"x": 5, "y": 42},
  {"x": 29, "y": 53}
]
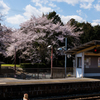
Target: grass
[{"x": 12, "y": 65}]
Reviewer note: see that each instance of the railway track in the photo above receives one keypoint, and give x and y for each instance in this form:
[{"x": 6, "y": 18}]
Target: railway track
[
  {"x": 93, "y": 96},
  {"x": 86, "y": 98}
]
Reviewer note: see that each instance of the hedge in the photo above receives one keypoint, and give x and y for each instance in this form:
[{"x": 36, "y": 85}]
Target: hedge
[{"x": 36, "y": 65}]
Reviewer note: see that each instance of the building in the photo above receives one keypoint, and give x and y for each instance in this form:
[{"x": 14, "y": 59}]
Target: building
[{"x": 87, "y": 59}]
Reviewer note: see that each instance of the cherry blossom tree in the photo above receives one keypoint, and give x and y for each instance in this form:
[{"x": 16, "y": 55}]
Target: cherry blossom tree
[
  {"x": 4, "y": 39},
  {"x": 34, "y": 35}
]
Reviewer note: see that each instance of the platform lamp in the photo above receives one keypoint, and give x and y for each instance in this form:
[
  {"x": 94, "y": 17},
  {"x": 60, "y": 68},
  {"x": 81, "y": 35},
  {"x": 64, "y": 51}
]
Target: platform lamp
[
  {"x": 64, "y": 49},
  {"x": 51, "y": 47},
  {"x": 15, "y": 61}
]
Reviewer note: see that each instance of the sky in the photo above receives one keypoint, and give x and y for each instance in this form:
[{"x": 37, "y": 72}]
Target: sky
[{"x": 16, "y": 12}]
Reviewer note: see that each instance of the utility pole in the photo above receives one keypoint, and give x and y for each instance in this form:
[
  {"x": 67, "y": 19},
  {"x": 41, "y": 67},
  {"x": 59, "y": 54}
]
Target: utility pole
[
  {"x": 15, "y": 61},
  {"x": 51, "y": 60},
  {"x": 65, "y": 55},
  {"x": 51, "y": 47}
]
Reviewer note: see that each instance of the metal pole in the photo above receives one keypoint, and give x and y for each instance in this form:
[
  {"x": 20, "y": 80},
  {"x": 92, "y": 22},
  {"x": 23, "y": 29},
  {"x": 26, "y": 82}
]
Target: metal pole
[
  {"x": 15, "y": 60},
  {"x": 51, "y": 60},
  {"x": 65, "y": 56}
]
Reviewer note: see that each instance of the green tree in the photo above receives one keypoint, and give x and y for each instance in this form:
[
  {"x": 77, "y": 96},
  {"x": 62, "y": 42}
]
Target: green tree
[
  {"x": 88, "y": 33},
  {"x": 96, "y": 35},
  {"x": 53, "y": 15},
  {"x": 87, "y": 30}
]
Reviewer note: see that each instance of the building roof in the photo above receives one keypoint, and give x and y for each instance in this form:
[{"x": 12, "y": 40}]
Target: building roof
[{"x": 90, "y": 45}]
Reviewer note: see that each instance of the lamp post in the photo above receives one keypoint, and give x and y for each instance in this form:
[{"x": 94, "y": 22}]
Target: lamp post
[
  {"x": 51, "y": 47},
  {"x": 15, "y": 62},
  {"x": 64, "y": 48},
  {"x": 65, "y": 55}
]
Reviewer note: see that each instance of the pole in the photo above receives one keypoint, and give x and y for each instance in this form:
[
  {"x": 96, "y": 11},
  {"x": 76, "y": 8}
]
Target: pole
[
  {"x": 65, "y": 56},
  {"x": 15, "y": 60},
  {"x": 51, "y": 60}
]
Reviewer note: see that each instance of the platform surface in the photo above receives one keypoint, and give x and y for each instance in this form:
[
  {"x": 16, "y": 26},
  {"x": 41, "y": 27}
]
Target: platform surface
[{"x": 14, "y": 81}]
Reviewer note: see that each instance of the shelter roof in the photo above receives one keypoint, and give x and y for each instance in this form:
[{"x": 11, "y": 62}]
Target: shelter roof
[{"x": 84, "y": 47}]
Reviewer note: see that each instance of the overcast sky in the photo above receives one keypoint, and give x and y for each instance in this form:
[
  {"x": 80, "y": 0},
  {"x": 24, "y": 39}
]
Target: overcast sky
[{"x": 18, "y": 11}]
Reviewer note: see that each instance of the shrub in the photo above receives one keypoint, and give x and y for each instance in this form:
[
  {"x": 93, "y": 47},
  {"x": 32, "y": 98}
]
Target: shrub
[
  {"x": 69, "y": 75},
  {"x": 36, "y": 65},
  {"x": 39, "y": 65},
  {"x": 26, "y": 65}
]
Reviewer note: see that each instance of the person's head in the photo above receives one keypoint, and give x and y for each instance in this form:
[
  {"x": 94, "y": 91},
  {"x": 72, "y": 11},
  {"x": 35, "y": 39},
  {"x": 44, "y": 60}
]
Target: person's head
[{"x": 26, "y": 96}]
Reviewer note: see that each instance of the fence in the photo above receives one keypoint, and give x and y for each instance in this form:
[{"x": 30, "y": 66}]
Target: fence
[
  {"x": 35, "y": 73},
  {"x": 59, "y": 72}
]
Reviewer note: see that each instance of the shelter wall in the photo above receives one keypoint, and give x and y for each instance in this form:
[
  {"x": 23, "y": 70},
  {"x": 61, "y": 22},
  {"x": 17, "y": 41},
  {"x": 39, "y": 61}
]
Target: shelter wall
[
  {"x": 91, "y": 66},
  {"x": 91, "y": 62}
]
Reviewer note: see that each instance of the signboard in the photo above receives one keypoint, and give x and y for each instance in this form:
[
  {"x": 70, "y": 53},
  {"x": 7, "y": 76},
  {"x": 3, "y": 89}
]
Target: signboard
[
  {"x": 98, "y": 61},
  {"x": 87, "y": 62}
]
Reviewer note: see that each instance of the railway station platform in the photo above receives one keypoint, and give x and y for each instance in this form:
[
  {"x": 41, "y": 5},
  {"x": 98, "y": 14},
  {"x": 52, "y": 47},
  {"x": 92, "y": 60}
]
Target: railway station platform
[
  {"x": 14, "y": 81},
  {"x": 13, "y": 89}
]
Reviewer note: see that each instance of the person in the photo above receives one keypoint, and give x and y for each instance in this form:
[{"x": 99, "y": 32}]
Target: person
[{"x": 25, "y": 96}]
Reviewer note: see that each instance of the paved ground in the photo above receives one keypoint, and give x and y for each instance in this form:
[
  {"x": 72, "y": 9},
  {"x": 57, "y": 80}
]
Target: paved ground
[{"x": 14, "y": 81}]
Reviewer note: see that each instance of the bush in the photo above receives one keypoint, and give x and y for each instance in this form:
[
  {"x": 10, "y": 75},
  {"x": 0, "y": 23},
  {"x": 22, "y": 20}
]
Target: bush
[
  {"x": 36, "y": 65},
  {"x": 69, "y": 75},
  {"x": 39, "y": 65},
  {"x": 26, "y": 65}
]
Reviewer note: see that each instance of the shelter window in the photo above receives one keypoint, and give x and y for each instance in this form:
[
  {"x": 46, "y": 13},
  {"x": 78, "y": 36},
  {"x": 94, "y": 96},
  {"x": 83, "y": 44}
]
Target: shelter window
[{"x": 79, "y": 62}]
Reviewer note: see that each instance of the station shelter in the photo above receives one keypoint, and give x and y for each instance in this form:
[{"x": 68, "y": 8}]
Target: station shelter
[{"x": 86, "y": 61}]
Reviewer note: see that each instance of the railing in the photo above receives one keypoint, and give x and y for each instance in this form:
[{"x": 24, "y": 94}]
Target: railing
[
  {"x": 36, "y": 73},
  {"x": 7, "y": 71}
]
